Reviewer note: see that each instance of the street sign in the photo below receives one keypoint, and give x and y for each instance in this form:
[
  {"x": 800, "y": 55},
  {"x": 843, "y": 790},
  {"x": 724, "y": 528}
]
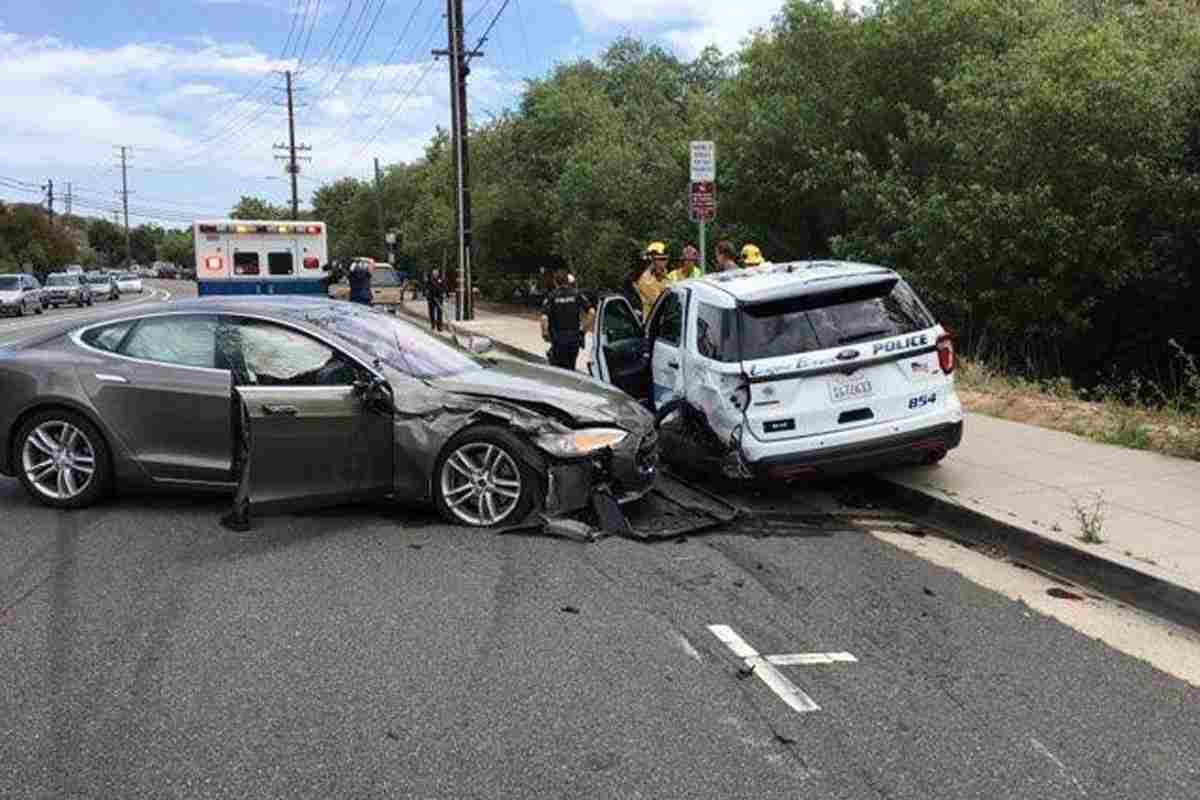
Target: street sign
[
  {"x": 702, "y": 201},
  {"x": 704, "y": 161}
]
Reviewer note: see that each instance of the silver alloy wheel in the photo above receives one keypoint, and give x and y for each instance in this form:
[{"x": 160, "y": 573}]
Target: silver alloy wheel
[
  {"x": 58, "y": 460},
  {"x": 481, "y": 484}
]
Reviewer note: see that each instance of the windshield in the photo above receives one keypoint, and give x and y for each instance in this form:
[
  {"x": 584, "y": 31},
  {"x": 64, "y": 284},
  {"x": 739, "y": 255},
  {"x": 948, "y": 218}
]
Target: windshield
[
  {"x": 9, "y": 282},
  {"x": 62, "y": 280},
  {"x": 97, "y": 279},
  {"x": 402, "y": 346},
  {"x": 126, "y": 276}
]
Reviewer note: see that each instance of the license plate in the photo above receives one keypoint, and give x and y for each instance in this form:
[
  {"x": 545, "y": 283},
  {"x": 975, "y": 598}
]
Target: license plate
[{"x": 846, "y": 389}]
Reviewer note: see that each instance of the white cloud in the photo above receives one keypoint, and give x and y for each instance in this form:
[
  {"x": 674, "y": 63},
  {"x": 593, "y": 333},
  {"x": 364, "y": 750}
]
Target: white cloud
[{"x": 689, "y": 25}]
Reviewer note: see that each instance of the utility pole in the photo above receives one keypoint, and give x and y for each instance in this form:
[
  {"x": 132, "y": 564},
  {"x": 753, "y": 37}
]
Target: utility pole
[
  {"x": 458, "y": 108},
  {"x": 292, "y": 167},
  {"x": 49, "y": 189},
  {"x": 68, "y": 200},
  {"x": 379, "y": 201},
  {"x": 125, "y": 197}
]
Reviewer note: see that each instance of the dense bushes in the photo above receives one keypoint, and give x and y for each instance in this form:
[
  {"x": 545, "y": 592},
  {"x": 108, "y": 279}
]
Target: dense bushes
[{"x": 1032, "y": 165}]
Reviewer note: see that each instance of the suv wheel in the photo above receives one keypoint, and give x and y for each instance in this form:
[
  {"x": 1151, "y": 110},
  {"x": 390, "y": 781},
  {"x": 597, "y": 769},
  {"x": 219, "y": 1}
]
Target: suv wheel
[{"x": 62, "y": 460}]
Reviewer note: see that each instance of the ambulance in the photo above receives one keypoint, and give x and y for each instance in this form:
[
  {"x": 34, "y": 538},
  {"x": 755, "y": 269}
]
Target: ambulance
[{"x": 240, "y": 256}]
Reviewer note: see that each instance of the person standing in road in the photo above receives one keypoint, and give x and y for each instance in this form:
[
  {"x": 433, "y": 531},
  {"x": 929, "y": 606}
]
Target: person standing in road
[
  {"x": 562, "y": 321},
  {"x": 726, "y": 256},
  {"x": 654, "y": 279},
  {"x": 690, "y": 268},
  {"x": 435, "y": 295},
  {"x": 360, "y": 282}
]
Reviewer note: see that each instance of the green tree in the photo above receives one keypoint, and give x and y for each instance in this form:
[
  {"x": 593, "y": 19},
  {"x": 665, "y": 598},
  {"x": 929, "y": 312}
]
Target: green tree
[
  {"x": 108, "y": 240},
  {"x": 178, "y": 247},
  {"x": 256, "y": 208}
]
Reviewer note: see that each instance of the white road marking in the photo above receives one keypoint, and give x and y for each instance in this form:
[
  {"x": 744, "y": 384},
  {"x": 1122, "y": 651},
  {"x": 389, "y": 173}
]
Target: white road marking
[
  {"x": 1062, "y": 768},
  {"x": 687, "y": 646},
  {"x": 810, "y": 659},
  {"x": 764, "y": 667}
]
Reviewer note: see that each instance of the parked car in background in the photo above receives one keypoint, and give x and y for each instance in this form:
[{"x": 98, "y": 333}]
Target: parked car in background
[
  {"x": 168, "y": 271},
  {"x": 129, "y": 283},
  {"x": 73, "y": 269},
  {"x": 19, "y": 294},
  {"x": 387, "y": 288},
  {"x": 67, "y": 289},
  {"x": 103, "y": 285}
]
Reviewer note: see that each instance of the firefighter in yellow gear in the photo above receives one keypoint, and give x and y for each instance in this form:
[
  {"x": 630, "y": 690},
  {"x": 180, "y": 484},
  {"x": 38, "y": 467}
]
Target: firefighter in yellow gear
[{"x": 654, "y": 279}]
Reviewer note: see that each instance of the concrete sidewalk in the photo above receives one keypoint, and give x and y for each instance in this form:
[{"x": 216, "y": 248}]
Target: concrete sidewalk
[{"x": 1025, "y": 478}]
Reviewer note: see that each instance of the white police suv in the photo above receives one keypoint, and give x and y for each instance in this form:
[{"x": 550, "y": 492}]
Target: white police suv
[{"x": 787, "y": 370}]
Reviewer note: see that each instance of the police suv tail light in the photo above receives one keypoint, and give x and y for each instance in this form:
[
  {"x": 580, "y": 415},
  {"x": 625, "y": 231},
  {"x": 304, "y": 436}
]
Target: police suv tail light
[
  {"x": 945, "y": 351},
  {"x": 311, "y": 263}
]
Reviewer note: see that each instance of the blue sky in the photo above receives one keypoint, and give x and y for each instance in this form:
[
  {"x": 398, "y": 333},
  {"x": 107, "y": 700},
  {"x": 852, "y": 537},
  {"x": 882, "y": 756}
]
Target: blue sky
[{"x": 191, "y": 86}]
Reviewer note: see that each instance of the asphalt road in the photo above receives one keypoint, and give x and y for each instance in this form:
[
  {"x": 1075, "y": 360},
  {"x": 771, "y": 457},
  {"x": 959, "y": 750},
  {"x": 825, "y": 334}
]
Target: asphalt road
[{"x": 148, "y": 652}]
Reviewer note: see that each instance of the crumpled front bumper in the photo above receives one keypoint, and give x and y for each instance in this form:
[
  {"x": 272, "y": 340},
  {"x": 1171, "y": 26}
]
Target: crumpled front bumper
[{"x": 628, "y": 471}]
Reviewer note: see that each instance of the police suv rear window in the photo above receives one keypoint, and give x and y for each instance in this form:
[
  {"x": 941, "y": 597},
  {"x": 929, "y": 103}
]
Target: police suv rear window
[{"x": 829, "y": 319}]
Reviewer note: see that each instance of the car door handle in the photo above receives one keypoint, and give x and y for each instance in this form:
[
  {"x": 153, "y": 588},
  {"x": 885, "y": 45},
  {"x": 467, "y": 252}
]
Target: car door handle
[
  {"x": 108, "y": 378},
  {"x": 275, "y": 410},
  {"x": 673, "y": 364}
]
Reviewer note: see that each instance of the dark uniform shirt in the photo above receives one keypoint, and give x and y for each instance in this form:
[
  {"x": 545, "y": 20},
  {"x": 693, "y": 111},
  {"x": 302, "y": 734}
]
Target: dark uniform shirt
[
  {"x": 360, "y": 283},
  {"x": 435, "y": 289},
  {"x": 565, "y": 309}
]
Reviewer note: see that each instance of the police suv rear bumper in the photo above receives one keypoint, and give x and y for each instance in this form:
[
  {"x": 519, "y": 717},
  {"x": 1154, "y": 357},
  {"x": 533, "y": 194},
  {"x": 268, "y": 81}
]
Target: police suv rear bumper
[{"x": 906, "y": 443}]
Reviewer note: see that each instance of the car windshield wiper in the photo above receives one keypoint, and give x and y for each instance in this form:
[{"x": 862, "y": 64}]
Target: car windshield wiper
[{"x": 864, "y": 335}]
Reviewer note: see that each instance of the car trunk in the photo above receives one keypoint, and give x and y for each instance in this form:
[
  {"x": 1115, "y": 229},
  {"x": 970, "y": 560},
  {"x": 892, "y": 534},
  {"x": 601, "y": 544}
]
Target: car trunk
[{"x": 828, "y": 361}]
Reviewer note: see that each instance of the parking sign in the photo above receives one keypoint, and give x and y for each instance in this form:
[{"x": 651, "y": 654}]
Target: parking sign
[{"x": 704, "y": 162}]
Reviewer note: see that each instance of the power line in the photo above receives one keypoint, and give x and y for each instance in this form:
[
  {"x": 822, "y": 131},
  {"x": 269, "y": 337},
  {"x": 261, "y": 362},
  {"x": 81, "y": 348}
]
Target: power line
[{"x": 484, "y": 38}]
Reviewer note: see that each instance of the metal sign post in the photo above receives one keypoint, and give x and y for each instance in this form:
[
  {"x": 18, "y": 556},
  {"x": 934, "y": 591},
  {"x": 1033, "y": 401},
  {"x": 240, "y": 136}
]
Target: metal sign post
[{"x": 702, "y": 199}]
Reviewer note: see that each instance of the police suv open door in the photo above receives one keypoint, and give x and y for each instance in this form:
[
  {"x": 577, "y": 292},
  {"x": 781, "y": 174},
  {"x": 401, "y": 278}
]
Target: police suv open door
[{"x": 620, "y": 354}]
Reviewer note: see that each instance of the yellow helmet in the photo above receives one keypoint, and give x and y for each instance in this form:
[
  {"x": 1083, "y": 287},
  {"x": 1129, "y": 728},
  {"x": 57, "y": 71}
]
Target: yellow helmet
[
  {"x": 751, "y": 255},
  {"x": 655, "y": 249}
]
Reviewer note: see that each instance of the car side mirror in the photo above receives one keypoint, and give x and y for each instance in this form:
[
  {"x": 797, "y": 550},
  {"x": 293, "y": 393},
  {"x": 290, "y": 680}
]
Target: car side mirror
[{"x": 374, "y": 393}]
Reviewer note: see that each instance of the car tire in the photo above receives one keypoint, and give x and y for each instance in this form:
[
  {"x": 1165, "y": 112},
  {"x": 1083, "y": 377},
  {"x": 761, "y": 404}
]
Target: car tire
[
  {"x": 38, "y": 309},
  {"x": 52, "y": 429},
  {"x": 493, "y": 486},
  {"x": 20, "y": 312}
]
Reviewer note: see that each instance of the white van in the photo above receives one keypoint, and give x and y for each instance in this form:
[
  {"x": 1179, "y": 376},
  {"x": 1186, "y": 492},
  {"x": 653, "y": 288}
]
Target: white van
[{"x": 794, "y": 369}]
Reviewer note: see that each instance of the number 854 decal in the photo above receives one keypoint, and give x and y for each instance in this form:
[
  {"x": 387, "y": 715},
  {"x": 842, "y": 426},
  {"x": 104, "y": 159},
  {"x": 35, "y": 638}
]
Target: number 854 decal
[{"x": 922, "y": 400}]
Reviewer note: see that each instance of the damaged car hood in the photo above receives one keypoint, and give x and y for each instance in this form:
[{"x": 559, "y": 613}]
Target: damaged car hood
[{"x": 585, "y": 400}]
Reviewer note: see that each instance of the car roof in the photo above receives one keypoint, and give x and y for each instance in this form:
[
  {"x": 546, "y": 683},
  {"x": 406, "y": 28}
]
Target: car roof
[{"x": 789, "y": 279}]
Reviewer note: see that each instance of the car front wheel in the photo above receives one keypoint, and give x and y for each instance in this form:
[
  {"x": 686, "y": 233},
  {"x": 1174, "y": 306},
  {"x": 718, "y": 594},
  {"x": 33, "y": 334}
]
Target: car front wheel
[
  {"x": 63, "y": 460},
  {"x": 481, "y": 479}
]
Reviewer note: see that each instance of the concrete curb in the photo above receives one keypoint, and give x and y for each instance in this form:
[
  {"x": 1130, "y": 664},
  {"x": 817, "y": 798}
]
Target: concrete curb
[{"x": 1150, "y": 593}]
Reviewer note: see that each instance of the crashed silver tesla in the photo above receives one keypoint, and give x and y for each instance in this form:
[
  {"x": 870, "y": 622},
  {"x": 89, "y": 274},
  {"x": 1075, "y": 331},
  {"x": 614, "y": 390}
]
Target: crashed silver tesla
[{"x": 299, "y": 402}]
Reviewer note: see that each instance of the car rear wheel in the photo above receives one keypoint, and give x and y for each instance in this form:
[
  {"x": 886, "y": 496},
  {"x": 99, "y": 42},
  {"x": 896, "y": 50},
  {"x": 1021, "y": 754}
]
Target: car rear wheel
[
  {"x": 481, "y": 479},
  {"x": 63, "y": 460},
  {"x": 20, "y": 312}
]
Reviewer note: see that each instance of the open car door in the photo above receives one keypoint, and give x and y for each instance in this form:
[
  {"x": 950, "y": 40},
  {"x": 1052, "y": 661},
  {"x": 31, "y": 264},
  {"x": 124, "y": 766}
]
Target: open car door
[
  {"x": 619, "y": 349},
  {"x": 310, "y": 446}
]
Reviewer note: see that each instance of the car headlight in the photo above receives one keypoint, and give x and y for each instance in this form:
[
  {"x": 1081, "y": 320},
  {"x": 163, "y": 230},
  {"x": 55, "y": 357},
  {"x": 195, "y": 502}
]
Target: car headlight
[{"x": 581, "y": 442}]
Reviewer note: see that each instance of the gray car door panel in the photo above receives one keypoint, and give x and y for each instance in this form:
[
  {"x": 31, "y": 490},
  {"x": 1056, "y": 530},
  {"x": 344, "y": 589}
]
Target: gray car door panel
[
  {"x": 174, "y": 420},
  {"x": 314, "y": 445}
]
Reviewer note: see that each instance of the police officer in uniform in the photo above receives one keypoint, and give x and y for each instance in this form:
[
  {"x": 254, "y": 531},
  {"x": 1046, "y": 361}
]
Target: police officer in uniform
[
  {"x": 360, "y": 282},
  {"x": 562, "y": 317}
]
